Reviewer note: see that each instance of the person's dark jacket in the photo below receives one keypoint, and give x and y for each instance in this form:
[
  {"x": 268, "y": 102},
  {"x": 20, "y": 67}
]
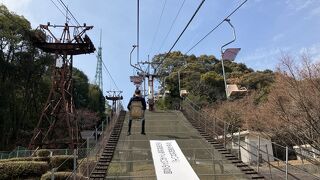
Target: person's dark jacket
[{"x": 138, "y": 98}]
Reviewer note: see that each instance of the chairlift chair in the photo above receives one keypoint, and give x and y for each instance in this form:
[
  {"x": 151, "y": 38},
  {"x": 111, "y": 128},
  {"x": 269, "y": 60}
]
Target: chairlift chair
[
  {"x": 234, "y": 92},
  {"x": 183, "y": 93}
]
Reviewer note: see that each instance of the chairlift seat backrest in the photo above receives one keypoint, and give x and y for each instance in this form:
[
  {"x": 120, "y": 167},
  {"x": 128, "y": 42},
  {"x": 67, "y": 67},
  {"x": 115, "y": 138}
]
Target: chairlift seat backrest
[{"x": 136, "y": 110}]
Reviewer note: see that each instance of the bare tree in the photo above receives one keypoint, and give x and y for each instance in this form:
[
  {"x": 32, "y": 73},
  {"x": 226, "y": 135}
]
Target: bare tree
[{"x": 293, "y": 108}]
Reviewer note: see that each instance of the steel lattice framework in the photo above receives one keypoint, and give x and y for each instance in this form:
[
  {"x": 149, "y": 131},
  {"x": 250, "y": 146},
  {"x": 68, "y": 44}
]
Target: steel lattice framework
[
  {"x": 57, "y": 126},
  {"x": 98, "y": 76}
]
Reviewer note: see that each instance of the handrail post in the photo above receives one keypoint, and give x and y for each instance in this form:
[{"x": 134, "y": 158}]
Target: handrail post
[
  {"x": 215, "y": 124},
  {"x": 74, "y": 163},
  {"x": 88, "y": 174},
  {"x": 205, "y": 124},
  {"x": 52, "y": 173},
  {"x": 96, "y": 134},
  {"x": 239, "y": 153},
  {"x": 268, "y": 161},
  {"x": 258, "y": 153},
  {"x": 199, "y": 117},
  {"x": 287, "y": 162},
  {"x": 224, "y": 134}
]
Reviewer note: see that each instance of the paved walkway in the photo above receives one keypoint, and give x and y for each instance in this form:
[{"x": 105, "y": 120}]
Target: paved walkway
[{"x": 133, "y": 158}]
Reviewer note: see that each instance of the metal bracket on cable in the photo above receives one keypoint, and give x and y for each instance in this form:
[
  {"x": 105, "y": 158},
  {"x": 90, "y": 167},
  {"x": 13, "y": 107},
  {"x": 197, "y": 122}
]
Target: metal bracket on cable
[
  {"x": 134, "y": 66},
  {"x": 234, "y": 35},
  {"x": 222, "y": 63}
]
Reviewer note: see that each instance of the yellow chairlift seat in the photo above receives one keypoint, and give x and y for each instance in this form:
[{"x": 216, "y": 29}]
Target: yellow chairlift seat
[
  {"x": 183, "y": 93},
  {"x": 136, "y": 112},
  {"x": 233, "y": 91}
]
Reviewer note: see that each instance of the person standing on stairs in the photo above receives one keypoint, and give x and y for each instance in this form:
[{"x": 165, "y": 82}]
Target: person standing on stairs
[{"x": 137, "y": 107}]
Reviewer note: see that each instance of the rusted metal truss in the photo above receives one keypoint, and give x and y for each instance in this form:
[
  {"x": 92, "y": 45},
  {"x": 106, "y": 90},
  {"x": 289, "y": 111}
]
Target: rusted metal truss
[
  {"x": 78, "y": 43},
  {"x": 58, "y": 126},
  {"x": 114, "y": 96}
]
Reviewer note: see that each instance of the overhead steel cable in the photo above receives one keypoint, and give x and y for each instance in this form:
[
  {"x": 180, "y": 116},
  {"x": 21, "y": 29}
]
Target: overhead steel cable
[
  {"x": 105, "y": 67},
  {"x": 68, "y": 10},
  {"x": 194, "y": 14},
  {"x": 173, "y": 22},
  {"x": 138, "y": 29},
  {"x": 227, "y": 17},
  {"x": 157, "y": 29},
  {"x": 58, "y": 8}
]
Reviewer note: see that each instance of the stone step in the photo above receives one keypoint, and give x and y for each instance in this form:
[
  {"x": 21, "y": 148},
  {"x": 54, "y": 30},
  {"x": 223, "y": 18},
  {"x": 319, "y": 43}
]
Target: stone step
[
  {"x": 248, "y": 169},
  {"x": 257, "y": 177},
  {"x": 225, "y": 153},
  {"x": 236, "y": 162},
  {"x": 232, "y": 158}
]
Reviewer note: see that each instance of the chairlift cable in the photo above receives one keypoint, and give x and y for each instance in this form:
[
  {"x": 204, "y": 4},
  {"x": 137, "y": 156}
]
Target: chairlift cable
[
  {"x": 67, "y": 9},
  {"x": 217, "y": 26},
  {"x": 157, "y": 29},
  {"x": 194, "y": 14},
  {"x": 58, "y": 8},
  {"x": 138, "y": 27},
  {"x": 173, "y": 22},
  {"x": 105, "y": 67}
]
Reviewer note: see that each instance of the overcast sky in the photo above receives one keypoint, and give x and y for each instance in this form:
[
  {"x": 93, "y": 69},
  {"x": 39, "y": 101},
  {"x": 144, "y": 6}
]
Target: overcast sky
[{"x": 264, "y": 28}]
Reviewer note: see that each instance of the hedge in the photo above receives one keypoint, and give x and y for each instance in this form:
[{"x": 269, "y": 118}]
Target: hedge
[
  {"x": 43, "y": 153},
  {"x": 64, "y": 162},
  {"x": 61, "y": 176},
  {"x": 22, "y": 169},
  {"x": 46, "y": 159}
]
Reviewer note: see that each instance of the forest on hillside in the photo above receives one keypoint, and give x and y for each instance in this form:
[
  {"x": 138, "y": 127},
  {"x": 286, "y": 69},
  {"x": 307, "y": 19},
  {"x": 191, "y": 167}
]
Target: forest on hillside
[
  {"x": 283, "y": 105},
  {"x": 25, "y": 81}
]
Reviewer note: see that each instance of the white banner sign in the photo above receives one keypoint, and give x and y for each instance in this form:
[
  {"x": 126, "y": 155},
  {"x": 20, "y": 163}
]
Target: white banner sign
[{"x": 169, "y": 161}]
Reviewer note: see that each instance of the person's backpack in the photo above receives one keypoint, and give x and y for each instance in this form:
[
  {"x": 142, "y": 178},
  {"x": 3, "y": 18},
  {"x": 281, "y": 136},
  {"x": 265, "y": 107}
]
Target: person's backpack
[{"x": 136, "y": 111}]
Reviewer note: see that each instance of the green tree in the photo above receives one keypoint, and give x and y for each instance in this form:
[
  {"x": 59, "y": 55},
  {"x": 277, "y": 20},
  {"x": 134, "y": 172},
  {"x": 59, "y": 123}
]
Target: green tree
[
  {"x": 25, "y": 82},
  {"x": 24, "y": 79},
  {"x": 202, "y": 76}
]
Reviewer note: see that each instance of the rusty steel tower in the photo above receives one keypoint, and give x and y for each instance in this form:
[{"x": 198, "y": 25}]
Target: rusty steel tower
[{"x": 57, "y": 126}]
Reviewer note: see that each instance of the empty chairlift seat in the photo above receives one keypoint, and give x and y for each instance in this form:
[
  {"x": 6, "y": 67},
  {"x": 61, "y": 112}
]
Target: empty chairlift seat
[
  {"x": 233, "y": 91},
  {"x": 183, "y": 93}
]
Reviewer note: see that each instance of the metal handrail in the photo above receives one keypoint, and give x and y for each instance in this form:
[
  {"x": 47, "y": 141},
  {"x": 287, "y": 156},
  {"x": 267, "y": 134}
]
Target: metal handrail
[{"x": 211, "y": 127}]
